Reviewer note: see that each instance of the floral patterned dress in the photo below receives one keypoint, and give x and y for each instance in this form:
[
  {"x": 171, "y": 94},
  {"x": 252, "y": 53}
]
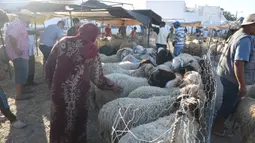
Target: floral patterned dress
[{"x": 69, "y": 70}]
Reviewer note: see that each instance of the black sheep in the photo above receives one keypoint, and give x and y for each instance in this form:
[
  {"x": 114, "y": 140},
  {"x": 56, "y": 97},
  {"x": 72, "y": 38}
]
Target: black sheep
[
  {"x": 108, "y": 51},
  {"x": 160, "y": 78},
  {"x": 163, "y": 56}
]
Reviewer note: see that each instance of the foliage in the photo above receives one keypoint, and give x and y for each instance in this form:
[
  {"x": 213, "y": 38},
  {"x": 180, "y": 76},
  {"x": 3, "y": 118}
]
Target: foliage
[{"x": 229, "y": 16}]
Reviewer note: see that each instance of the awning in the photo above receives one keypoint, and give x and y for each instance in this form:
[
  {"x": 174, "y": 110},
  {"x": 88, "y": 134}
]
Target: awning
[
  {"x": 191, "y": 24},
  {"x": 95, "y": 4},
  {"x": 154, "y": 17},
  {"x": 40, "y": 17}
]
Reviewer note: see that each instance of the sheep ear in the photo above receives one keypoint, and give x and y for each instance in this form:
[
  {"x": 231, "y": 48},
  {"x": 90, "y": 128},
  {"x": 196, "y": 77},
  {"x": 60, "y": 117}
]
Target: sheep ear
[{"x": 186, "y": 74}]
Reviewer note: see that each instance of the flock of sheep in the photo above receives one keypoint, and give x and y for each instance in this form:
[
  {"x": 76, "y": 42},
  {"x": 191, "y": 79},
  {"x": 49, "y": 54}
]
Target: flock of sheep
[
  {"x": 170, "y": 102},
  {"x": 161, "y": 102}
]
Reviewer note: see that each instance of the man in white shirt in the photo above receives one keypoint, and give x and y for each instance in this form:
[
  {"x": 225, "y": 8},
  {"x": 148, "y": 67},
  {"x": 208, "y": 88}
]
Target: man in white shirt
[{"x": 162, "y": 36}]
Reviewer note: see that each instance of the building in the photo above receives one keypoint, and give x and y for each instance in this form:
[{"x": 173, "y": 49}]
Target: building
[{"x": 171, "y": 10}]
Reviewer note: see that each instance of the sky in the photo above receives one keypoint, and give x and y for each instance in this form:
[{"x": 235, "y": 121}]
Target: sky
[{"x": 243, "y": 7}]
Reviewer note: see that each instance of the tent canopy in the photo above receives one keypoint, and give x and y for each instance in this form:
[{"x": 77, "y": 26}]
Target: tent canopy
[
  {"x": 95, "y": 4},
  {"x": 53, "y": 7},
  {"x": 154, "y": 17},
  {"x": 191, "y": 24},
  {"x": 114, "y": 15}
]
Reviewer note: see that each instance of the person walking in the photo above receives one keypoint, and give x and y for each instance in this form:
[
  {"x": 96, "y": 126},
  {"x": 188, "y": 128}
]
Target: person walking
[
  {"x": 72, "y": 64},
  {"x": 49, "y": 37},
  {"x": 236, "y": 70},
  {"x": 179, "y": 38},
  {"x": 17, "y": 48},
  {"x": 4, "y": 106},
  {"x": 74, "y": 30}
]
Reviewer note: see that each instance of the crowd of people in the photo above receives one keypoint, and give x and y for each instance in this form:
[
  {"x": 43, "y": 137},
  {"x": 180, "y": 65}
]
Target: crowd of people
[{"x": 72, "y": 61}]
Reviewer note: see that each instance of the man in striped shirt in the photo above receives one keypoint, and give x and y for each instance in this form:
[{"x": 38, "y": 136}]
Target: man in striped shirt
[
  {"x": 17, "y": 47},
  {"x": 179, "y": 38}
]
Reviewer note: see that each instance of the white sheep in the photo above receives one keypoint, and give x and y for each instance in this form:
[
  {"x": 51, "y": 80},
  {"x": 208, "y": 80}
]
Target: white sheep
[
  {"x": 245, "y": 119},
  {"x": 183, "y": 60},
  {"x": 163, "y": 130},
  {"x": 151, "y": 91},
  {"x": 117, "y": 57},
  {"x": 128, "y": 83},
  {"x": 144, "y": 70},
  {"x": 134, "y": 112}
]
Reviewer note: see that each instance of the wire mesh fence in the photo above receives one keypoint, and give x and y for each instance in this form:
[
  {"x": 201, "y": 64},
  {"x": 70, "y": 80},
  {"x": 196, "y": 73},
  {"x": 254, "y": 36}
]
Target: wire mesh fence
[{"x": 187, "y": 119}]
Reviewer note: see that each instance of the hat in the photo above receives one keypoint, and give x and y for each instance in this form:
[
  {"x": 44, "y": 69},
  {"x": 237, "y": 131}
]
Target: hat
[
  {"x": 177, "y": 23},
  {"x": 25, "y": 12},
  {"x": 250, "y": 19}
]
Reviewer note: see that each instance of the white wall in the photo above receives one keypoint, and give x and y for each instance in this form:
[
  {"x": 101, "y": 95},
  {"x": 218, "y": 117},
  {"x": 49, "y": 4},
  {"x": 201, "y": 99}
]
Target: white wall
[
  {"x": 176, "y": 10},
  {"x": 168, "y": 9}
]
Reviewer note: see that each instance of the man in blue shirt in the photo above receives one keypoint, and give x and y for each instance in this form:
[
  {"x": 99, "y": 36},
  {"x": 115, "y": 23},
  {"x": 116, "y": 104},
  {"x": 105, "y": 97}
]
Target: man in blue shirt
[
  {"x": 236, "y": 70},
  {"x": 49, "y": 37},
  {"x": 179, "y": 38}
]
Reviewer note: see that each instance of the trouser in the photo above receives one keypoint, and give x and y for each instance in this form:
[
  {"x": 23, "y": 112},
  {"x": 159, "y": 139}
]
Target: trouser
[
  {"x": 31, "y": 70},
  {"x": 45, "y": 51},
  {"x": 178, "y": 49},
  {"x": 230, "y": 98},
  {"x": 4, "y": 107}
]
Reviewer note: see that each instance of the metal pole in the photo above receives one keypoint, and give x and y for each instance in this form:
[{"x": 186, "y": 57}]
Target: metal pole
[
  {"x": 36, "y": 42},
  {"x": 149, "y": 32},
  {"x": 71, "y": 18}
]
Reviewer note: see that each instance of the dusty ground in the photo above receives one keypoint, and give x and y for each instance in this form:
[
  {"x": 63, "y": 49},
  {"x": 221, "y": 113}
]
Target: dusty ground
[{"x": 36, "y": 112}]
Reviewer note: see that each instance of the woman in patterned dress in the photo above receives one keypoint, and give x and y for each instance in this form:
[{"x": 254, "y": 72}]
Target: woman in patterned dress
[{"x": 72, "y": 64}]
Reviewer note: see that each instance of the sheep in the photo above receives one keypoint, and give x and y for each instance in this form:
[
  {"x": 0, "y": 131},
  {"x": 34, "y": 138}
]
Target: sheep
[
  {"x": 135, "y": 112},
  {"x": 128, "y": 65},
  {"x": 175, "y": 82},
  {"x": 151, "y": 91},
  {"x": 161, "y": 76},
  {"x": 245, "y": 119},
  {"x": 117, "y": 57},
  {"x": 184, "y": 60},
  {"x": 144, "y": 70},
  {"x": 163, "y": 56},
  {"x": 250, "y": 91},
  {"x": 181, "y": 127},
  {"x": 194, "y": 48},
  {"x": 128, "y": 83}
]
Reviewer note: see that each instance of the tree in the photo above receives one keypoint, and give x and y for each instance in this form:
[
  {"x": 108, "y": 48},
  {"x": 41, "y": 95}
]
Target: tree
[{"x": 229, "y": 16}]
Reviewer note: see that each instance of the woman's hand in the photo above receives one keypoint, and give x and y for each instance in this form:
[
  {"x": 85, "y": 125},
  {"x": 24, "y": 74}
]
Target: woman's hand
[{"x": 117, "y": 89}]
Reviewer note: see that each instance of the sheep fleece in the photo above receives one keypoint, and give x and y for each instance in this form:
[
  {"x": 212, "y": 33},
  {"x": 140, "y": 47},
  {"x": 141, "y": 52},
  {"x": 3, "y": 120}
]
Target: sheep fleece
[
  {"x": 128, "y": 83},
  {"x": 136, "y": 111},
  {"x": 151, "y": 91}
]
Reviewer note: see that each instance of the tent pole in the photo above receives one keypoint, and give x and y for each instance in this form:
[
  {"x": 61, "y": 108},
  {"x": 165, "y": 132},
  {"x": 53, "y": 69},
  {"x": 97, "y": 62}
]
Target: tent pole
[
  {"x": 36, "y": 42},
  {"x": 149, "y": 32},
  {"x": 71, "y": 18}
]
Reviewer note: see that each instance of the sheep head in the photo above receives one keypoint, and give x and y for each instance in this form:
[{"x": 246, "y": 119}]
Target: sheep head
[
  {"x": 192, "y": 77},
  {"x": 121, "y": 53}
]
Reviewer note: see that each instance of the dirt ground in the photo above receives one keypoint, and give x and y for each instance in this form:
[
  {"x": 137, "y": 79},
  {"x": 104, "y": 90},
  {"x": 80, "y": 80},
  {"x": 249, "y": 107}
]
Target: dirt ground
[{"x": 36, "y": 112}]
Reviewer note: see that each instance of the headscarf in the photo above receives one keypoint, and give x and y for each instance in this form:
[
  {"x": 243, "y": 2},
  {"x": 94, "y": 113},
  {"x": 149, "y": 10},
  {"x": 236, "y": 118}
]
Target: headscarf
[{"x": 88, "y": 34}]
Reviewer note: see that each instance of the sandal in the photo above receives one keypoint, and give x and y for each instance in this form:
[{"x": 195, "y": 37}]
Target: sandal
[{"x": 224, "y": 134}]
